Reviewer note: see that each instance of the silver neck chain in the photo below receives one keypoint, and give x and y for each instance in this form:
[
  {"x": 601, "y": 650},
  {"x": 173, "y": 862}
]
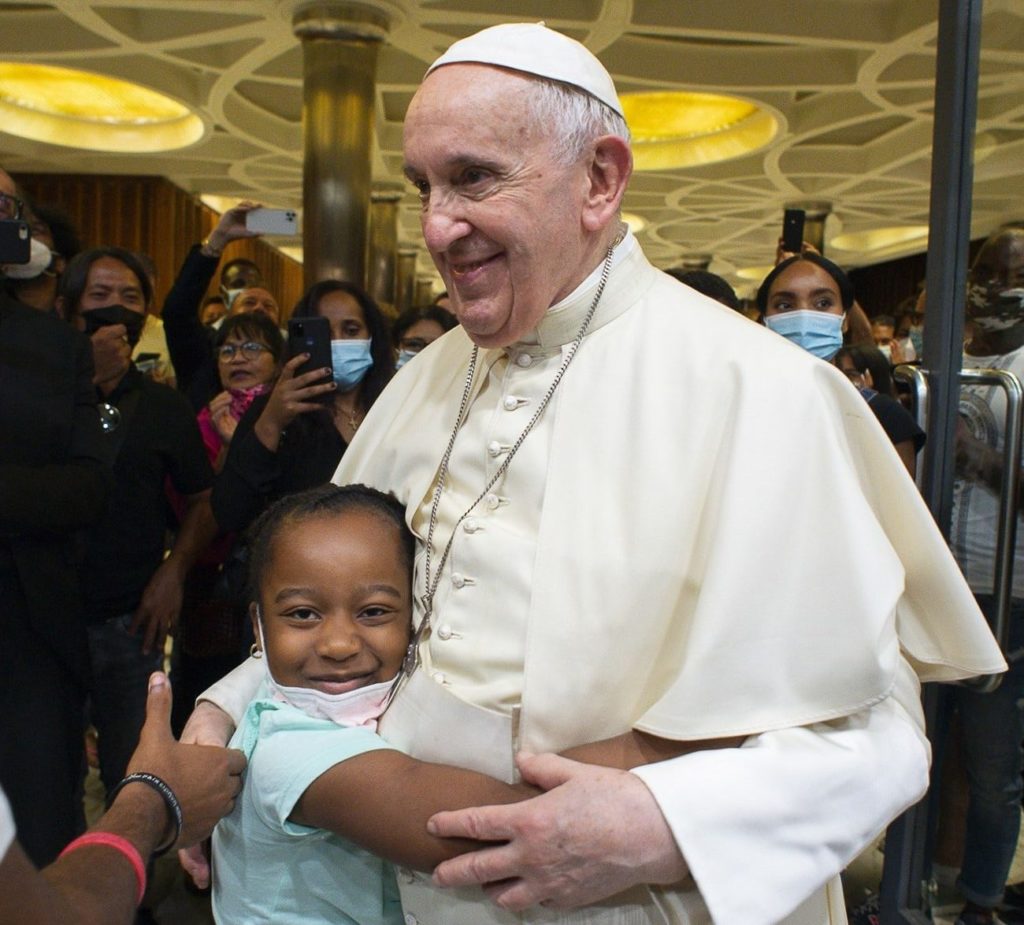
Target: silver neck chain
[{"x": 431, "y": 583}]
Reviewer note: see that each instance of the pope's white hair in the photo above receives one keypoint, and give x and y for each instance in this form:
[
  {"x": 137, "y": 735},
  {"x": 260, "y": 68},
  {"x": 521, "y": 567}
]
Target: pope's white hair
[{"x": 573, "y": 118}]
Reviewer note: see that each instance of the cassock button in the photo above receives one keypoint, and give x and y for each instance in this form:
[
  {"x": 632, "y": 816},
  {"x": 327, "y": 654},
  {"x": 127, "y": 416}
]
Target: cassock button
[
  {"x": 410, "y": 919},
  {"x": 470, "y": 525},
  {"x": 439, "y": 677},
  {"x": 409, "y": 877},
  {"x": 510, "y": 403},
  {"x": 524, "y": 360},
  {"x": 493, "y": 448},
  {"x": 458, "y": 579},
  {"x": 444, "y": 632},
  {"x": 492, "y": 501}
]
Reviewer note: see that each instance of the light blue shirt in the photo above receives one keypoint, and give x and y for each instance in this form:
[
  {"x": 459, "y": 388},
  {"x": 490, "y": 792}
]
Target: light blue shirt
[{"x": 267, "y": 869}]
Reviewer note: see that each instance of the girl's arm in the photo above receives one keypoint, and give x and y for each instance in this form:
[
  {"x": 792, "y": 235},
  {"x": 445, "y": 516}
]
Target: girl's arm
[{"x": 382, "y": 800}]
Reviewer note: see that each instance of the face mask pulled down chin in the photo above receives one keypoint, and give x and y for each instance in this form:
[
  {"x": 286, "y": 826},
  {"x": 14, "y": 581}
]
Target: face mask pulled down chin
[
  {"x": 994, "y": 312},
  {"x": 97, "y": 318},
  {"x": 819, "y": 333},
  {"x": 361, "y": 707},
  {"x": 351, "y": 360},
  {"x": 39, "y": 261}
]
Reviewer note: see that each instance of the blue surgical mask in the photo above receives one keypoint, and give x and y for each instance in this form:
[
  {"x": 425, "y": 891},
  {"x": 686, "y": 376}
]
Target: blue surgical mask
[
  {"x": 819, "y": 333},
  {"x": 352, "y": 361},
  {"x": 916, "y": 335},
  {"x": 404, "y": 356}
]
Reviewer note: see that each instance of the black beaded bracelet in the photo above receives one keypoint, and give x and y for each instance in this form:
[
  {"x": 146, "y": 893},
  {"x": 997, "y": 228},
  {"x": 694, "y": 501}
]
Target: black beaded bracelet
[{"x": 173, "y": 806}]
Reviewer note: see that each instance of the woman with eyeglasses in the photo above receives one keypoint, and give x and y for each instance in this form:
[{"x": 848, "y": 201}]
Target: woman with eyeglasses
[{"x": 249, "y": 350}]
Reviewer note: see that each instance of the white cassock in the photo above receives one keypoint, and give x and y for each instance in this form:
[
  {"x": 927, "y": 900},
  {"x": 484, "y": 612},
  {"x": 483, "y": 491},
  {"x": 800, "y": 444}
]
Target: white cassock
[{"x": 707, "y": 534}]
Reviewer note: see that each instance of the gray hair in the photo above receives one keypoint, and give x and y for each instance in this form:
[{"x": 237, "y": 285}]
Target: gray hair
[{"x": 573, "y": 118}]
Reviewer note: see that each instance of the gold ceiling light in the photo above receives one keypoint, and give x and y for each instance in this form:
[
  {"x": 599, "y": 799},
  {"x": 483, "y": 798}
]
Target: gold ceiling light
[
  {"x": 76, "y": 109},
  {"x": 678, "y": 129},
  {"x": 755, "y": 274},
  {"x": 881, "y": 239}
]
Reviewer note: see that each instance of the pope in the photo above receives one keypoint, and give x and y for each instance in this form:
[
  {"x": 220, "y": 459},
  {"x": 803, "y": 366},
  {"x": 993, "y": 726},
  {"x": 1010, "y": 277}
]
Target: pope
[{"x": 621, "y": 529}]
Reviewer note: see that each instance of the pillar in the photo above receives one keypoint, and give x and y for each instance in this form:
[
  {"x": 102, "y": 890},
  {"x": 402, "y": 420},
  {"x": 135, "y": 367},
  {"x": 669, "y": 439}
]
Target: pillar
[
  {"x": 405, "y": 287},
  {"x": 339, "y": 53},
  {"x": 424, "y": 291},
  {"x": 381, "y": 259}
]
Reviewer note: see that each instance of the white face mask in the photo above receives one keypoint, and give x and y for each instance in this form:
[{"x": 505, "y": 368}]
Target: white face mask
[
  {"x": 39, "y": 260},
  {"x": 361, "y": 707},
  {"x": 885, "y": 350}
]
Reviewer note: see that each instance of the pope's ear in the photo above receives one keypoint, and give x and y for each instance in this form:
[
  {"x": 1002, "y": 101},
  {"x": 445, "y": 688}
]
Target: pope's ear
[{"x": 608, "y": 172}]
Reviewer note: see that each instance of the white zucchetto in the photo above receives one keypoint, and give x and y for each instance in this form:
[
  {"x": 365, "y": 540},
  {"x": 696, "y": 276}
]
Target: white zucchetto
[{"x": 535, "y": 49}]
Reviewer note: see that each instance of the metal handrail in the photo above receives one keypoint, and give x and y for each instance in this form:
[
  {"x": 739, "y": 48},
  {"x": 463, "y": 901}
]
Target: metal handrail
[
  {"x": 917, "y": 379},
  {"x": 1006, "y": 531}
]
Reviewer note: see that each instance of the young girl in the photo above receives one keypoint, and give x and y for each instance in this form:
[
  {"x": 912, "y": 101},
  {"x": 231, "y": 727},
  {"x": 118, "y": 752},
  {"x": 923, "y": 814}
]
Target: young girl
[{"x": 331, "y": 570}]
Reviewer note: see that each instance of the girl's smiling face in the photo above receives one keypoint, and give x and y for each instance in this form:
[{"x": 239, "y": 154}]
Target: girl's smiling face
[{"x": 336, "y": 602}]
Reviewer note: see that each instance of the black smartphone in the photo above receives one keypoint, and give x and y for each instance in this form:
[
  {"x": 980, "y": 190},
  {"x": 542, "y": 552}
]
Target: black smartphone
[
  {"x": 312, "y": 336},
  {"x": 793, "y": 230},
  {"x": 15, "y": 244}
]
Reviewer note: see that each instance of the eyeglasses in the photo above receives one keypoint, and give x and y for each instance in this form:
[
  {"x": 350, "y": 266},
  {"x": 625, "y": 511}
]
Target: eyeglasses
[
  {"x": 10, "y": 206},
  {"x": 251, "y": 350}
]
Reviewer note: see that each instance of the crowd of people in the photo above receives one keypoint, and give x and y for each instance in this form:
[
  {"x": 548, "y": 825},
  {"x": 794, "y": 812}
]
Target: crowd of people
[{"x": 593, "y": 625}]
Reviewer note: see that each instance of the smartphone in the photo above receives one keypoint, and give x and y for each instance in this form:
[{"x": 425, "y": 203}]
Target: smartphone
[
  {"x": 272, "y": 221},
  {"x": 312, "y": 336},
  {"x": 793, "y": 230},
  {"x": 15, "y": 246}
]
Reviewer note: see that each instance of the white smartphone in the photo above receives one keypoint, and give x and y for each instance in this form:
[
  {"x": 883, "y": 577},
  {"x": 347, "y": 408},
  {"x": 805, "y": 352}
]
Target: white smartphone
[{"x": 272, "y": 221}]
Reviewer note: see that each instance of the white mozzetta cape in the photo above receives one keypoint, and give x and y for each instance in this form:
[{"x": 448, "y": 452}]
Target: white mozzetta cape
[{"x": 727, "y": 544}]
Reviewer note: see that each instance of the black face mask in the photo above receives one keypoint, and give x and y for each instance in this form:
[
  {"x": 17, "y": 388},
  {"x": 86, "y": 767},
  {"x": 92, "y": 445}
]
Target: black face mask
[{"x": 115, "y": 314}]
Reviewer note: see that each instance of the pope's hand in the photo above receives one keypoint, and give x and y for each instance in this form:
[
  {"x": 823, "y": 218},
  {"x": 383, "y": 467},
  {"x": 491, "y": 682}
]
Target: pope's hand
[{"x": 595, "y": 833}]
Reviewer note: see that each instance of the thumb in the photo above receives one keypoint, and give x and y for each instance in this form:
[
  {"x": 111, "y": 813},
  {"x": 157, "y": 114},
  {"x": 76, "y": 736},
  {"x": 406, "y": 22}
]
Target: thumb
[
  {"x": 158, "y": 708},
  {"x": 545, "y": 771}
]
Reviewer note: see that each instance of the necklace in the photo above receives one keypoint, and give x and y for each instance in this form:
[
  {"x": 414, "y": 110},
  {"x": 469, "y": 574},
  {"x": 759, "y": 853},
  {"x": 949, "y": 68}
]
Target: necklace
[
  {"x": 353, "y": 418},
  {"x": 412, "y": 656}
]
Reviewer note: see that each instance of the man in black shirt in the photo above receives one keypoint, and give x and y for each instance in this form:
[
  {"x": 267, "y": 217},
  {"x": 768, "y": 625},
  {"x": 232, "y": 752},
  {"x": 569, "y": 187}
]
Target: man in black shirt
[
  {"x": 132, "y": 593},
  {"x": 53, "y": 481}
]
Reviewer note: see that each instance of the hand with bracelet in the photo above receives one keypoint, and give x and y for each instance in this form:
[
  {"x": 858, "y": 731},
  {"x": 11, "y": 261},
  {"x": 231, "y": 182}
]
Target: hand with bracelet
[
  {"x": 173, "y": 796},
  {"x": 231, "y": 227}
]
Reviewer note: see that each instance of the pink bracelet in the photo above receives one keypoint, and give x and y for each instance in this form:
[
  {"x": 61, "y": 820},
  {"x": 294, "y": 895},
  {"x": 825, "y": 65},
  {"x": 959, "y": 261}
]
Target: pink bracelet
[{"x": 118, "y": 844}]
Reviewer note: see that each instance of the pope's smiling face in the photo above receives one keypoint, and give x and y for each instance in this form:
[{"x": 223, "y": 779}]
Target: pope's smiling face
[{"x": 502, "y": 218}]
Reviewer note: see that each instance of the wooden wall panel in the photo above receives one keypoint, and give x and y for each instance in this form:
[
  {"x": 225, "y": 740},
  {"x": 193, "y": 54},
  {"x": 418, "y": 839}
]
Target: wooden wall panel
[{"x": 152, "y": 215}]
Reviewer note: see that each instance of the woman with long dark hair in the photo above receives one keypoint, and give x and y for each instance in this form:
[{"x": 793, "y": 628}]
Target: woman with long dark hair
[{"x": 292, "y": 438}]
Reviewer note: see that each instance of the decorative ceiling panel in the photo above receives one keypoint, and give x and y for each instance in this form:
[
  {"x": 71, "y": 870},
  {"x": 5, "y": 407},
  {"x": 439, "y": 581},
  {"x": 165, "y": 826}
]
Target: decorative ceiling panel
[{"x": 850, "y": 81}]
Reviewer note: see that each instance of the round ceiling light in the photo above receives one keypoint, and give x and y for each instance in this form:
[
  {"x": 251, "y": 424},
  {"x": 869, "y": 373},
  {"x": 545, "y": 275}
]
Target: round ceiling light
[
  {"x": 676, "y": 129},
  {"x": 77, "y": 109},
  {"x": 882, "y": 239}
]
